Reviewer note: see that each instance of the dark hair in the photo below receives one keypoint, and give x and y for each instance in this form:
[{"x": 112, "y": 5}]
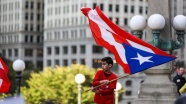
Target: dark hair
[{"x": 107, "y": 60}]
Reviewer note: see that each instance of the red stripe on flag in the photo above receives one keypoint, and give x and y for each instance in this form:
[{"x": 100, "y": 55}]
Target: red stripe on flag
[
  {"x": 5, "y": 85},
  {"x": 4, "y": 66},
  {"x": 100, "y": 41}
]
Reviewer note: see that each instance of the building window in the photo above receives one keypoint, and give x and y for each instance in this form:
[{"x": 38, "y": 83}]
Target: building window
[
  {"x": 28, "y": 52},
  {"x": 140, "y": 9},
  {"x": 26, "y": 38},
  {"x": 82, "y": 61},
  {"x": 26, "y": 16},
  {"x": 39, "y": 64},
  {"x": 97, "y": 49},
  {"x": 31, "y": 39},
  {"x": 117, "y": 20},
  {"x": 82, "y": 49},
  {"x": 26, "y": 4},
  {"x": 49, "y": 51},
  {"x": 9, "y": 52},
  {"x": 3, "y": 52},
  {"x": 128, "y": 83},
  {"x": 49, "y": 63},
  {"x": 94, "y": 5},
  {"x": 96, "y": 63},
  {"x": 38, "y": 17},
  {"x": 38, "y": 39},
  {"x": 31, "y": 16},
  {"x": 102, "y": 7},
  {"x": 56, "y": 62},
  {"x": 132, "y": 9},
  {"x": 39, "y": 52},
  {"x": 38, "y": 5},
  {"x": 65, "y": 50},
  {"x": 128, "y": 93},
  {"x": 74, "y": 61},
  {"x": 110, "y": 7},
  {"x": 15, "y": 52},
  {"x": 125, "y": 8},
  {"x": 26, "y": 27},
  {"x": 65, "y": 62},
  {"x": 74, "y": 49},
  {"x": 57, "y": 50},
  {"x": 125, "y": 21},
  {"x": 31, "y": 5},
  {"x": 129, "y": 103},
  {"x": 117, "y": 8}
]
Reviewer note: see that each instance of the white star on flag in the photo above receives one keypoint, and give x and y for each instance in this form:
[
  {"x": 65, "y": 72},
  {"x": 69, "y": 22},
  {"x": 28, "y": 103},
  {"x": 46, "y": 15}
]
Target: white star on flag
[{"x": 142, "y": 59}]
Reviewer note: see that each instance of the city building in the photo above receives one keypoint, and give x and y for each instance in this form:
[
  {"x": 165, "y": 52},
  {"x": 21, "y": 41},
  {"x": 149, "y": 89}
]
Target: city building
[{"x": 21, "y": 30}]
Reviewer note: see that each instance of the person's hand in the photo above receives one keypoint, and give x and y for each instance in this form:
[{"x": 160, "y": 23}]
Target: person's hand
[
  {"x": 104, "y": 81},
  {"x": 94, "y": 90}
]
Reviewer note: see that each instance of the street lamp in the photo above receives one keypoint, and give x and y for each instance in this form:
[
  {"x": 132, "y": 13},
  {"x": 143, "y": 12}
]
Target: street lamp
[
  {"x": 18, "y": 66},
  {"x": 79, "y": 79},
  {"x": 156, "y": 23},
  {"x": 118, "y": 87}
]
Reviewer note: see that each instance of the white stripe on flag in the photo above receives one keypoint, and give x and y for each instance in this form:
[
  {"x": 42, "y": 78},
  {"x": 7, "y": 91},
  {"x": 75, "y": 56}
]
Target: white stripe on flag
[
  {"x": 107, "y": 36},
  {"x": 141, "y": 47},
  {"x": 93, "y": 15}
]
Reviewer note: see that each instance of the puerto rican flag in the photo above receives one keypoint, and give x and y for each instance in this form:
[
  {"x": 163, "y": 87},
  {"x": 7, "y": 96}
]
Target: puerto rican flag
[
  {"x": 4, "y": 81},
  {"x": 132, "y": 53}
]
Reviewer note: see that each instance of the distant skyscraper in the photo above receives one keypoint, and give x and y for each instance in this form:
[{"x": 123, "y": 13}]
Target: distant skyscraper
[{"x": 21, "y": 30}]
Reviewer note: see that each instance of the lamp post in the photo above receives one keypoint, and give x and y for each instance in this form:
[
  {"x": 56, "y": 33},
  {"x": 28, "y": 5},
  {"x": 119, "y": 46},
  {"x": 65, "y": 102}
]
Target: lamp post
[
  {"x": 157, "y": 87},
  {"x": 156, "y": 22},
  {"x": 79, "y": 79},
  {"x": 18, "y": 66},
  {"x": 118, "y": 87}
]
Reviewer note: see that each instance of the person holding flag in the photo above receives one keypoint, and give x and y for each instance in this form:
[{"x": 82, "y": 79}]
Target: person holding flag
[{"x": 105, "y": 93}]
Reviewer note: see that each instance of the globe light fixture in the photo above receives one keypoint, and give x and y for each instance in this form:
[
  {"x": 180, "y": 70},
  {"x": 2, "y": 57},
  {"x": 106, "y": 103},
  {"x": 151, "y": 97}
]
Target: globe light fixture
[
  {"x": 179, "y": 22},
  {"x": 118, "y": 87},
  {"x": 137, "y": 24},
  {"x": 79, "y": 79},
  {"x": 156, "y": 22},
  {"x": 18, "y": 66}
]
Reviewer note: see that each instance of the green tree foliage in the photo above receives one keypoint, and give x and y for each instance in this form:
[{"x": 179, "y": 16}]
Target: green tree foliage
[{"x": 57, "y": 85}]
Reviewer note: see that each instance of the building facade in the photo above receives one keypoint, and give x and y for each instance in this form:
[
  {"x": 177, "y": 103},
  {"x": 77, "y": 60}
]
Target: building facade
[{"x": 21, "y": 30}]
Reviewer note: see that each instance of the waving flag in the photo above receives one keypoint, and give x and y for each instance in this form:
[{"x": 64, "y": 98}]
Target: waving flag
[
  {"x": 132, "y": 53},
  {"x": 4, "y": 81}
]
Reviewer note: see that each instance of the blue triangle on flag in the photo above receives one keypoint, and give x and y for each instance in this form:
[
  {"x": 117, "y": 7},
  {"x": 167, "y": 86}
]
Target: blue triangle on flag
[{"x": 139, "y": 60}]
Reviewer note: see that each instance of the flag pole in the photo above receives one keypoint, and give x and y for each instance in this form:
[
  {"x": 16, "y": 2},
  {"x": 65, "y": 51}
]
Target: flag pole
[{"x": 105, "y": 83}]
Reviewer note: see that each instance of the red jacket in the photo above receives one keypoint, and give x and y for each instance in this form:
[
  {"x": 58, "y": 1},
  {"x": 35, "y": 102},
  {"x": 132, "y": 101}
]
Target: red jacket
[{"x": 106, "y": 95}]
